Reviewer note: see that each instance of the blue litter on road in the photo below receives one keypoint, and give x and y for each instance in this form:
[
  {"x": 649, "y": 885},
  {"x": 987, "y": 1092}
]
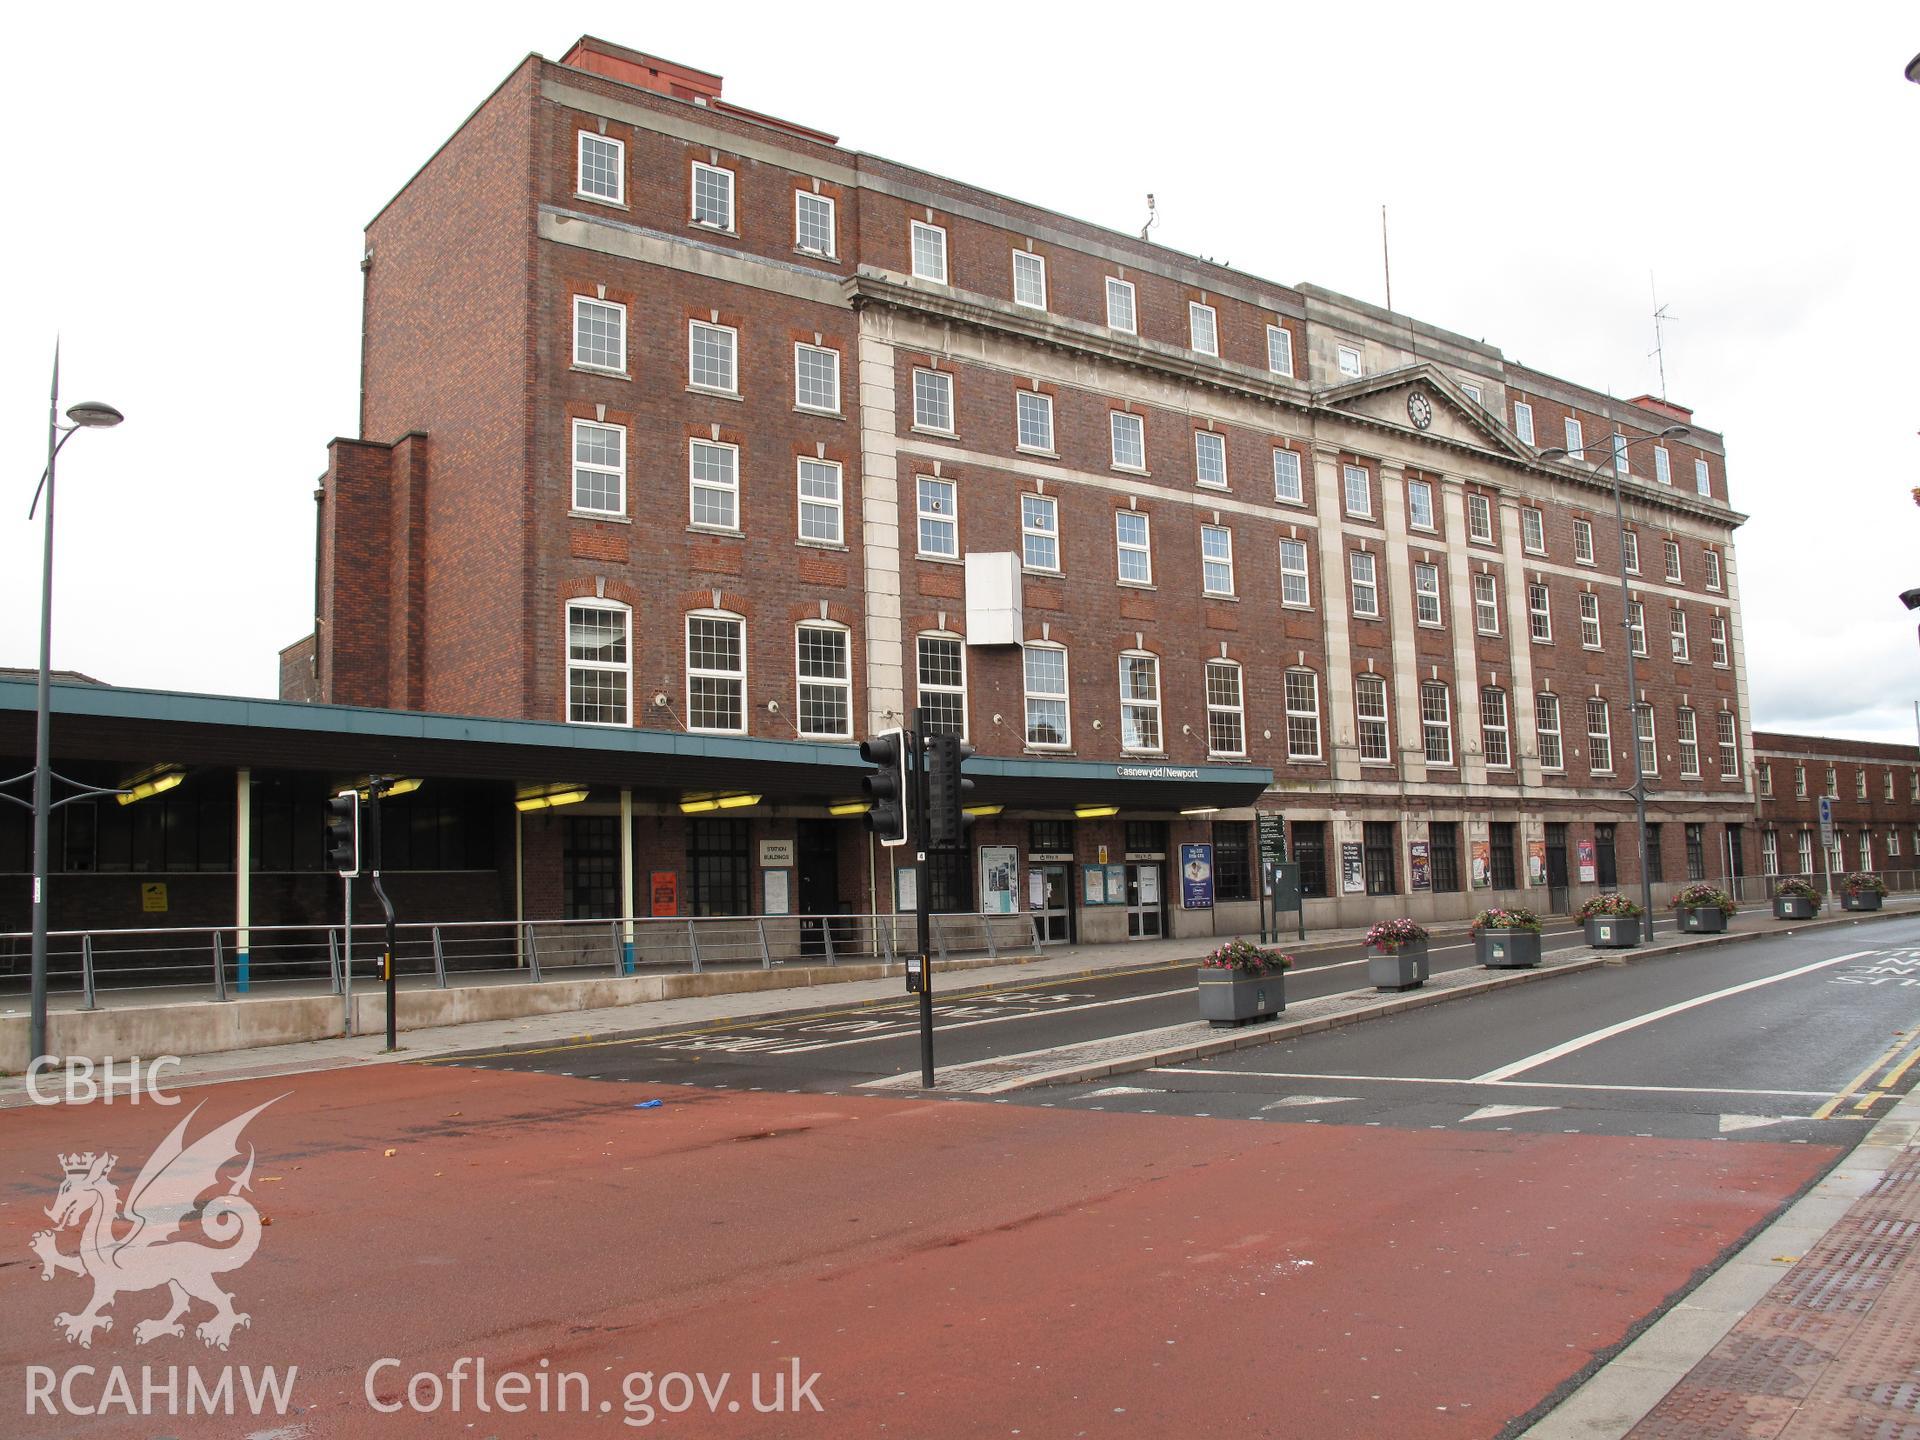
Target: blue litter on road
[{"x": 648, "y": 1105}]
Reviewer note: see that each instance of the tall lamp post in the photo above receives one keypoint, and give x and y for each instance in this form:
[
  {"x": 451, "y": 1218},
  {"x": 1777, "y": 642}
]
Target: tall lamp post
[
  {"x": 1639, "y": 791},
  {"x": 87, "y": 415}
]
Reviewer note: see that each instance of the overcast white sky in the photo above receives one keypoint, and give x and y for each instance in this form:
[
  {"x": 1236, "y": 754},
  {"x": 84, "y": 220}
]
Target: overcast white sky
[{"x": 188, "y": 187}]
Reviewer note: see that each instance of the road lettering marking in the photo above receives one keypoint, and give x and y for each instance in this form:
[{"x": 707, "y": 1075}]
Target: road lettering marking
[
  {"x": 1491, "y": 1084},
  {"x": 1594, "y": 1037}
]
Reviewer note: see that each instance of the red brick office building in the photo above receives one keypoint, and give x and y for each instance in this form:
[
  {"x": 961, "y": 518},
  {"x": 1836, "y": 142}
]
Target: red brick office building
[
  {"x": 683, "y": 418},
  {"x": 1875, "y": 794}
]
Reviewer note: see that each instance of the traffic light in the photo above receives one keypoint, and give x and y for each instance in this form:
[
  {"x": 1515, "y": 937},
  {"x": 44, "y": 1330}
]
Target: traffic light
[
  {"x": 343, "y": 833},
  {"x": 947, "y": 791},
  {"x": 886, "y": 786}
]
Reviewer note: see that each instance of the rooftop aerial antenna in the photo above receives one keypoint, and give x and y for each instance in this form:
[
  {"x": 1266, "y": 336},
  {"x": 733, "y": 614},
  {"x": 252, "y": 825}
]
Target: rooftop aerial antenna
[
  {"x": 1660, "y": 320},
  {"x": 1386, "y": 257},
  {"x": 1153, "y": 217}
]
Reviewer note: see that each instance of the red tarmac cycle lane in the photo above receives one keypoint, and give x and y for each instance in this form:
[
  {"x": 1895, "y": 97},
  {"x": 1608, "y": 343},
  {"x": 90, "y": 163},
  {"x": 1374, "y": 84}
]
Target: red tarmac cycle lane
[{"x": 950, "y": 1269}]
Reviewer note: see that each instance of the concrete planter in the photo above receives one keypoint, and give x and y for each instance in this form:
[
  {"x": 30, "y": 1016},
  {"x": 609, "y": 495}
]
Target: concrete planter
[
  {"x": 1229, "y": 997},
  {"x": 1613, "y": 932},
  {"x": 1508, "y": 949},
  {"x": 1866, "y": 900},
  {"x": 1792, "y": 907},
  {"x": 1702, "y": 920},
  {"x": 1402, "y": 969}
]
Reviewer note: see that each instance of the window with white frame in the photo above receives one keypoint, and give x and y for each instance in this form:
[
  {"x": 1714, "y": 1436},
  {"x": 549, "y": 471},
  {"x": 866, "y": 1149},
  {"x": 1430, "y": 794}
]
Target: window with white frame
[
  {"x": 1893, "y": 843},
  {"x": 1766, "y": 781},
  {"x": 1133, "y": 540},
  {"x": 1029, "y": 280},
  {"x": 1649, "y": 750},
  {"x": 599, "y": 334},
  {"x": 1662, "y": 465},
  {"x": 1546, "y": 721},
  {"x": 1833, "y": 781},
  {"x": 1210, "y": 458},
  {"x": 813, "y": 223},
  {"x": 1494, "y": 736},
  {"x": 1226, "y": 715},
  {"x": 1702, "y": 483},
  {"x": 1370, "y": 719},
  {"x": 1677, "y": 629},
  {"x": 603, "y": 168},
  {"x": 1806, "y": 852},
  {"x": 1420, "y": 504},
  {"x": 1799, "y": 782},
  {"x": 1347, "y": 358},
  {"x": 1630, "y": 551},
  {"x": 599, "y": 667},
  {"x": 1713, "y": 569},
  {"x": 713, "y": 486},
  {"x": 1426, "y": 594},
  {"x": 1279, "y": 350},
  {"x": 599, "y": 468},
  {"x": 1120, "y": 315},
  {"x": 716, "y": 673},
  {"x": 1866, "y": 849},
  {"x": 1729, "y": 739},
  {"x": 1620, "y": 464},
  {"x": 823, "y": 670},
  {"x": 1590, "y": 636},
  {"x": 1486, "y": 605},
  {"x": 1294, "y": 589},
  {"x": 1216, "y": 559},
  {"x": 1583, "y": 542},
  {"x": 1540, "y": 614},
  {"x": 822, "y": 507},
  {"x": 1129, "y": 436},
  {"x": 712, "y": 196},
  {"x": 1287, "y": 485},
  {"x": 712, "y": 361},
  {"x": 1637, "y": 627},
  {"x": 933, "y": 401},
  {"x": 942, "y": 689},
  {"x": 1359, "y": 487},
  {"x": 1302, "y": 689},
  {"x": 1576, "y": 442},
  {"x": 1533, "y": 532},
  {"x": 1203, "y": 328},
  {"x": 1473, "y": 390},
  {"x": 1033, "y": 421},
  {"x": 929, "y": 253},
  {"x": 1887, "y": 779},
  {"x": 1599, "y": 737},
  {"x": 1480, "y": 519},
  {"x": 1436, "y": 722},
  {"x": 1671, "y": 549},
  {"x": 1045, "y": 667},
  {"x": 939, "y": 517},
  {"x": 816, "y": 378},
  {"x": 1523, "y": 420},
  {"x": 1913, "y": 785},
  {"x": 1717, "y": 637},
  {"x": 1860, "y": 783},
  {"x": 1769, "y": 852},
  {"x": 1139, "y": 701},
  {"x": 1366, "y": 585},
  {"x": 1687, "y": 732},
  {"x": 1040, "y": 532}
]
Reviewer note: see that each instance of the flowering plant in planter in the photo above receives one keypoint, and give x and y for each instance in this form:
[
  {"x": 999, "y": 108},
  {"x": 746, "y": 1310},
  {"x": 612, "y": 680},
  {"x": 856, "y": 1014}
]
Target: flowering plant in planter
[
  {"x": 1863, "y": 882},
  {"x": 1246, "y": 958},
  {"x": 1611, "y": 903},
  {"x": 1394, "y": 934},
  {"x": 1511, "y": 918},
  {"x": 1794, "y": 888},
  {"x": 1702, "y": 896}
]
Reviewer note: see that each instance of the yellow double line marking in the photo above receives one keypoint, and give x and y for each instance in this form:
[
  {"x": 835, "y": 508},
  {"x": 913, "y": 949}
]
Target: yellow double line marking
[{"x": 1855, "y": 1086}]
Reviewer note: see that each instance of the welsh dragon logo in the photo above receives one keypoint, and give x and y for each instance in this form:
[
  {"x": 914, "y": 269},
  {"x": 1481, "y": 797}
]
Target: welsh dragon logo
[{"x": 142, "y": 1247}]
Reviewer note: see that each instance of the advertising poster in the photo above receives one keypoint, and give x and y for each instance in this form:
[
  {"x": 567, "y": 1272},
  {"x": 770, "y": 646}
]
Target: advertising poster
[
  {"x": 1584, "y": 850},
  {"x": 1196, "y": 877},
  {"x": 774, "y": 883},
  {"x": 1094, "y": 882},
  {"x": 999, "y": 879},
  {"x": 1117, "y": 885},
  {"x": 666, "y": 892},
  {"x": 1482, "y": 859},
  {"x": 1036, "y": 890},
  {"x": 906, "y": 884},
  {"x": 1353, "y": 877},
  {"x": 1536, "y": 862},
  {"x": 1420, "y": 865}
]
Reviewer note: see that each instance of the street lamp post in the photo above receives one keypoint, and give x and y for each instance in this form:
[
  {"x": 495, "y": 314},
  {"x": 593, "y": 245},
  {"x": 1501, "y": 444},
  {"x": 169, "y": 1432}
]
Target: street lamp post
[
  {"x": 87, "y": 415},
  {"x": 1620, "y": 447}
]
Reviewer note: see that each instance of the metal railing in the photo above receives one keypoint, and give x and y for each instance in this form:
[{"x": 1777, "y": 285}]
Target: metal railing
[{"x": 209, "y": 962}]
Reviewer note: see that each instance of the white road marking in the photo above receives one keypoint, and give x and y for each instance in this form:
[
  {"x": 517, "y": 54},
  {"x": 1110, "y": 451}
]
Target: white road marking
[
  {"x": 1594, "y": 1037},
  {"x": 1494, "y": 1084},
  {"x": 1287, "y": 1100},
  {"x": 1122, "y": 1090},
  {"x": 1501, "y": 1112},
  {"x": 1751, "y": 1122}
]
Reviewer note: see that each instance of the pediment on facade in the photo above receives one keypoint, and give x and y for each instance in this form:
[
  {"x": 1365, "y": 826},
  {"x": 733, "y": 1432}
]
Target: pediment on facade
[{"x": 1413, "y": 394}]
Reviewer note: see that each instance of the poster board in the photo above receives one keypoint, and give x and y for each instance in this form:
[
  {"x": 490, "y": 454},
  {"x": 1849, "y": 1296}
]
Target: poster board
[
  {"x": 1583, "y": 850},
  {"x": 1536, "y": 862},
  {"x": 999, "y": 879},
  {"x": 664, "y": 888},
  {"x": 775, "y": 896},
  {"x": 1420, "y": 865},
  {"x": 1482, "y": 864},
  {"x": 1196, "y": 877},
  {"x": 1353, "y": 875},
  {"x": 1093, "y": 885}
]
